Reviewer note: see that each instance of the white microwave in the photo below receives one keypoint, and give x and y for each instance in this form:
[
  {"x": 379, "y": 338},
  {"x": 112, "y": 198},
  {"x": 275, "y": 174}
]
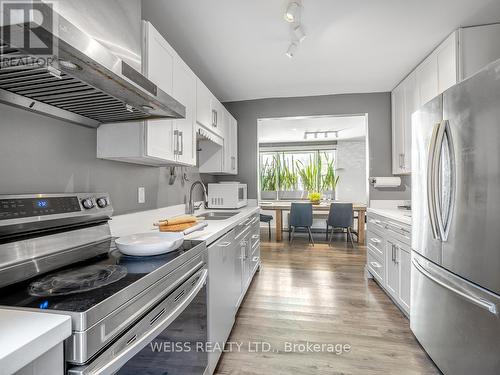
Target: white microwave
[{"x": 227, "y": 195}]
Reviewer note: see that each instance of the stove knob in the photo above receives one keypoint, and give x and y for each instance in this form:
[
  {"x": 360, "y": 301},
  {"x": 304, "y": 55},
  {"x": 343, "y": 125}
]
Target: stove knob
[
  {"x": 87, "y": 203},
  {"x": 102, "y": 202}
]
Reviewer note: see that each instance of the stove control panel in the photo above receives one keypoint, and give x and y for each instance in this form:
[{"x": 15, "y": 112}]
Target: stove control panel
[{"x": 26, "y": 206}]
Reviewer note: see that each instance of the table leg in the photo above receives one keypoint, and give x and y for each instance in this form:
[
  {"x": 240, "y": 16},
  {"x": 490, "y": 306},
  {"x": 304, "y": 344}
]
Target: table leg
[
  {"x": 279, "y": 228},
  {"x": 361, "y": 227}
]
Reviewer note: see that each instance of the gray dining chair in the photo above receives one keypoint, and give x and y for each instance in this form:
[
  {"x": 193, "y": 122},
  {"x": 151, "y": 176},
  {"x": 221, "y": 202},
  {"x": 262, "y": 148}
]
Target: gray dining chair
[
  {"x": 301, "y": 216},
  {"x": 267, "y": 219},
  {"x": 340, "y": 216}
]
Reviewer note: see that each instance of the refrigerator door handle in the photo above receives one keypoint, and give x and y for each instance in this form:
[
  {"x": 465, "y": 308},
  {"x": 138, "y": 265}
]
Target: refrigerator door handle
[
  {"x": 431, "y": 173},
  {"x": 443, "y": 223},
  {"x": 457, "y": 289}
]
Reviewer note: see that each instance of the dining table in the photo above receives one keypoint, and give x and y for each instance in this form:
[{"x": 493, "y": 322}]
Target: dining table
[{"x": 324, "y": 206}]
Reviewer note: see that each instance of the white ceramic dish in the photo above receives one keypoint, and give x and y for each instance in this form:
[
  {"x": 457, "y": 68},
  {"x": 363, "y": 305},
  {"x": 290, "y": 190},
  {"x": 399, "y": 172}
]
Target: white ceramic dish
[{"x": 154, "y": 243}]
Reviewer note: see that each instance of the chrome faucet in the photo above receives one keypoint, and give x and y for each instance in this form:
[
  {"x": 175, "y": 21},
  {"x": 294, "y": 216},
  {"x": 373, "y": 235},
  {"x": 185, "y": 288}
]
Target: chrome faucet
[{"x": 191, "y": 205}]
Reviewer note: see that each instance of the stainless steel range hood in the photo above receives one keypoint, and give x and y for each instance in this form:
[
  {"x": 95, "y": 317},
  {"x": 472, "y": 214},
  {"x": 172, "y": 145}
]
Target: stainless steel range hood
[{"x": 82, "y": 81}]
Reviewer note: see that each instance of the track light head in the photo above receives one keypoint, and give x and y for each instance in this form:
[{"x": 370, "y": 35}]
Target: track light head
[
  {"x": 299, "y": 33},
  {"x": 290, "y": 52},
  {"x": 292, "y": 12}
]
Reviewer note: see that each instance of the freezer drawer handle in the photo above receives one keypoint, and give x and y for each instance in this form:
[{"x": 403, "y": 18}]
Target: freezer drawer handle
[{"x": 478, "y": 301}]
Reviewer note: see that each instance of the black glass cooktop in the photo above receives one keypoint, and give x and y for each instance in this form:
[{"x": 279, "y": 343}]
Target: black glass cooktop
[{"x": 78, "y": 287}]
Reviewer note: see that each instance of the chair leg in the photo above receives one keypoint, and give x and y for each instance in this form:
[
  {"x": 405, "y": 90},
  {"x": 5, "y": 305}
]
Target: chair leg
[
  {"x": 326, "y": 233},
  {"x": 289, "y": 231},
  {"x": 331, "y": 235},
  {"x": 349, "y": 233},
  {"x": 310, "y": 236},
  {"x": 293, "y": 232},
  {"x": 269, "y": 231}
]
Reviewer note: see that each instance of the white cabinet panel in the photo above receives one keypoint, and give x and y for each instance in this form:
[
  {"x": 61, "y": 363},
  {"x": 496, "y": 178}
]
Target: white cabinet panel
[
  {"x": 392, "y": 268},
  {"x": 398, "y": 135},
  {"x": 446, "y": 55},
  {"x": 404, "y": 260},
  {"x": 184, "y": 90},
  {"x": 160, "y": 140},
  {"x": 479, "y": 46},
  {"x": 427, "y": 79},
  {"x": 388, "y": 258},
  {"x": 157, "y": 58},
  {"x": 221, "y": 307},
  {"x": 203, "y": 104}
]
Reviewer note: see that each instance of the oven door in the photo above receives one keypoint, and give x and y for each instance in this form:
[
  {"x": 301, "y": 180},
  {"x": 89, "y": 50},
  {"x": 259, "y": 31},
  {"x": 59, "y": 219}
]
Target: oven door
[{"x": 170, "y": 339}]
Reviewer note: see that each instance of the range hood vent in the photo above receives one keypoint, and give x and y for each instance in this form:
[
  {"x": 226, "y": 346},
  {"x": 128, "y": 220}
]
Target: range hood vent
[{"x": 87, "y": 88}]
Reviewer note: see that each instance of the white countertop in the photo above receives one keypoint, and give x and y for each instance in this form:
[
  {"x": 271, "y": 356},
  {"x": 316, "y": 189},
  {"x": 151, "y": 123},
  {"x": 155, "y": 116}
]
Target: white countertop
[
  {"x": 27, "y": 335},
  {"x": 141, "y": 222},
  {"x": 216, "y": 228},
  {"x": 403, "y": 216}
]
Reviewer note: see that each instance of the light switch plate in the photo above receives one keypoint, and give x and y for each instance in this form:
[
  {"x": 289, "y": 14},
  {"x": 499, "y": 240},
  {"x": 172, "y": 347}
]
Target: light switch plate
[{"x": 141, "y": 194}]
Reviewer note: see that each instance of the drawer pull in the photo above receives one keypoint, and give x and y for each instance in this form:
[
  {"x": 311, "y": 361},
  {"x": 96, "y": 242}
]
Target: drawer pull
[
  {"x": 255, "y": 259},
  {"x": 224, "y": 244},
  {"x": 375, "y": 264},
  {"x": 375, "y": 240},
  {"x": 255, "y": 236}
]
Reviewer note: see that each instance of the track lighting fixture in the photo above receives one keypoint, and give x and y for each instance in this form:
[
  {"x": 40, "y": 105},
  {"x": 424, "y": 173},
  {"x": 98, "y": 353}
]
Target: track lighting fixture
[
  {"x": 290, "y": 52},
  {"x": 299, "y": 33},
  {"x": 292, "y": 12}
]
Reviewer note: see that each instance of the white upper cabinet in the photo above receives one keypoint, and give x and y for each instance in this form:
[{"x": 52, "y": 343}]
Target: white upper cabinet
[
  {"x": 427, "y": 78},
  {"x": 447, "y": 63},
  {"x": 156, "y": 142},
  {"x": 405, "y": 100},
  {"x": 209, "y": 111},
  {"x": 203, "y": 105},
  {"x": 460, "y": 55},
  {"x": 184, "y": 90},
  {"x": 214, "y": 159},
  {"x": 157, "y": 58}
]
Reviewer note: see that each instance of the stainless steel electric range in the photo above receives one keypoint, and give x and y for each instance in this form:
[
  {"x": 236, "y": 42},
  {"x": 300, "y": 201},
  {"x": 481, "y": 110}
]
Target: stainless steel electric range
[{"x": 57, "y": 256}]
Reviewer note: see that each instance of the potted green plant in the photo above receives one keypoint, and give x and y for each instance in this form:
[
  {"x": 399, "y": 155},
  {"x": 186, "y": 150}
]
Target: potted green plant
[
  {"x": 315, "y": 197},
  {"x": 268, "y": 181},
  {"x": 288, "y": 182},
  {"x": 330, "y": 180}
]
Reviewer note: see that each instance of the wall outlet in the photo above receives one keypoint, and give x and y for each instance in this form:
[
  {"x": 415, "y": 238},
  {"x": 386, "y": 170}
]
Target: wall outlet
[{"x": 141, "y": 194}]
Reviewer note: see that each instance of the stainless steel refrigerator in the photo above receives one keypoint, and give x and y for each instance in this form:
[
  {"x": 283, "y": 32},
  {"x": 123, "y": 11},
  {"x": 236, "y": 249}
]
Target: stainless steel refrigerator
[{"x": 455, "y": 275}]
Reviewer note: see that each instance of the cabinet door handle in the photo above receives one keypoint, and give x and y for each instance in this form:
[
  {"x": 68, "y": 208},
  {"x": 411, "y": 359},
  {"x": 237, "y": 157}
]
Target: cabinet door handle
[
  {"x": 392, "y": 253},
  {"x": 224, "y": 244},
  {"x": 375, "y": 264},
  {"x": 401, "y": 161},
  {"x": 255, "y": 236},
  {"x": 176, "y": 142},
  {"x": 375, "y": 240},
  {"x": 181, "y": 138},
  {"x": 255, "y": 259}
]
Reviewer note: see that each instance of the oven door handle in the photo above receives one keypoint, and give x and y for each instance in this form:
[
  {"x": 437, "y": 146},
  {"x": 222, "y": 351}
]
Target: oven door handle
[{"x": 112, "y": 361}]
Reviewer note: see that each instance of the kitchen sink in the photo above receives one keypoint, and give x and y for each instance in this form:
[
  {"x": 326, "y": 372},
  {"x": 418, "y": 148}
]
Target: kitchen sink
[{"x": 217, "y": 215}]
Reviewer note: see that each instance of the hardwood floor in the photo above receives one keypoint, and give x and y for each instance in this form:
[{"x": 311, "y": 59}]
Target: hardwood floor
[{"x": 320, "y": 295}]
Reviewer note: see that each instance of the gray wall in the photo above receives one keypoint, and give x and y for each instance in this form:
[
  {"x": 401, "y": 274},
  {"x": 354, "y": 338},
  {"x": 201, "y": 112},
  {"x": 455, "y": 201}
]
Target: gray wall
[
  {"x": 41, "y": 154},
  {"x": 376, "y": 105},
  {"x": 351, "y": 164}
]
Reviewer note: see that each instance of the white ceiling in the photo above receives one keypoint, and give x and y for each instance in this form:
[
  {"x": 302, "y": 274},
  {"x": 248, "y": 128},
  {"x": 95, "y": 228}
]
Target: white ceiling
[
  {"x": 291, "y": 129},
  {"x": 237, "y": 47}
]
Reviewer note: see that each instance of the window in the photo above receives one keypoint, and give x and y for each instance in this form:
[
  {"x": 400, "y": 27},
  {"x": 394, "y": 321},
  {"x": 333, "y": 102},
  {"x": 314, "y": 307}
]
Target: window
[{"x": 295, "y": 169}]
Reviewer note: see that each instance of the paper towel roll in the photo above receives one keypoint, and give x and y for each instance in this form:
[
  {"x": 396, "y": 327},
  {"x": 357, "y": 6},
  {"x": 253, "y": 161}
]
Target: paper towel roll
[{"x": 384, "y": 182}]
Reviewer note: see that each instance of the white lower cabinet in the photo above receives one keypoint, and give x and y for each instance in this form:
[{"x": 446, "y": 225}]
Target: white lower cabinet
[
  {"x": 389, "y": 257},
  {"x": 232, "y": 262}
]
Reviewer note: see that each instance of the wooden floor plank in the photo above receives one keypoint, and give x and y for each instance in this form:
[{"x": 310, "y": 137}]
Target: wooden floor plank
[{"x": 320, "y": 295}]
